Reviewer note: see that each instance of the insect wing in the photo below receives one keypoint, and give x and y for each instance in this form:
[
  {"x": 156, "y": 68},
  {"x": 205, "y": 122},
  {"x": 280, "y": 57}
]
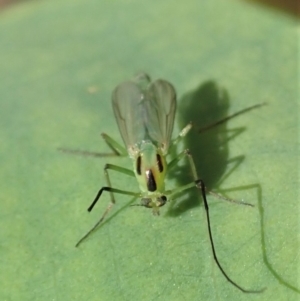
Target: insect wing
[
  {"x": 127, "y": 101},
  {"x": 145, "y": 111},
  {"x": 160, "y": 107}
]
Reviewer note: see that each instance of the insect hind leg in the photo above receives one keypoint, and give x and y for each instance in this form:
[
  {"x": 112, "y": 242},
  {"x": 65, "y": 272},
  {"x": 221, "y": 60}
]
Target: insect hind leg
[
  {"x": 212, "y": 125},
  {"x": 199, "y": 184},
  {"x": 117, "y": 148},
  {"x": 186, "y": 153}
]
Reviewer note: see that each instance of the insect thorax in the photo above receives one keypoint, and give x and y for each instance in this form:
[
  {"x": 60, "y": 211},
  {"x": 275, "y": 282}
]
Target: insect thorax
[{"x": 150, "y": 168}]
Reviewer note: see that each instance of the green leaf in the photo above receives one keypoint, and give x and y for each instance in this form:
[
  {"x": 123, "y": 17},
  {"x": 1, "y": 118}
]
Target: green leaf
[{"x": 59, "y": 63}]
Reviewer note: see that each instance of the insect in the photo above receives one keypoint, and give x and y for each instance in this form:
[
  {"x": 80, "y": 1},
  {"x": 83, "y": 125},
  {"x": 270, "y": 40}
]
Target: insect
[{"x": 145, "y": 111}]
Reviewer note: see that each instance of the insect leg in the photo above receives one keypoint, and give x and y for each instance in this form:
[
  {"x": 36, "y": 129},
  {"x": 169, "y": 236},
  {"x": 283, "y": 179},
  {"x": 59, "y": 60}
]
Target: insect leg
[
  {"x": 111, "y": 190},
  {"x": 212, "y": 125},
  {"x": 181, "y": 135},
  {"x": 188, "y": 127},
  {"x": 116, "y": 147},
  {"x": 200, "y": 185},
  {"x": 185, "y": 153},
  {"x": 118, "y": 169}
]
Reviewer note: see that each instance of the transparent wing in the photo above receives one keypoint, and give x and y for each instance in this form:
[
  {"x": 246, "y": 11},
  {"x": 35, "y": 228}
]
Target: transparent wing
[
  {"x": 145, "y": 111},
  {"x": 160, "y": 108},
  {"x": 127, "y": 101}
]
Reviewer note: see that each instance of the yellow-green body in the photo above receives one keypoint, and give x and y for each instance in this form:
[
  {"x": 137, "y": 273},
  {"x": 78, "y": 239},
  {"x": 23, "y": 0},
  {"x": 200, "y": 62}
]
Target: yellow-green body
[{"x": 145, "y": 111}]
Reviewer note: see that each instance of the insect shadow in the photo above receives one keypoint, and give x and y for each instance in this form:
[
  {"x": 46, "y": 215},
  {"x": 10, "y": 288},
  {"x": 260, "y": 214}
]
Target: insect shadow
[{"x": 204, "y": 106}]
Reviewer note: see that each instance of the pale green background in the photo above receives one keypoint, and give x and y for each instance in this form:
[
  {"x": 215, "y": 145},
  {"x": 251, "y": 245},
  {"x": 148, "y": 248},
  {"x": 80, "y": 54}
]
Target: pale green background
[{"x": 51, "y": 53}]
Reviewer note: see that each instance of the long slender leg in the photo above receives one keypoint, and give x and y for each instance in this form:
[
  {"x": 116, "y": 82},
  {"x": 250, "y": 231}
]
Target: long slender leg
[
  {"x": 85, "y": 153},
  {"x": 120, "y": 169},
  {"x": 185, "y": 131},
  {"x": 111, "y": 191},
  {"x": 198, "y": 183},
  {"x": 118, "y": 149},
  {"x": 201, "y": 185},
  {"x": 181, "y": 135},
  {"x": 188, "y": 127},
  {"x": 187, "y": 153},
  {"x": 231, "y": 116},
  {"x": 108, "y": 208}
]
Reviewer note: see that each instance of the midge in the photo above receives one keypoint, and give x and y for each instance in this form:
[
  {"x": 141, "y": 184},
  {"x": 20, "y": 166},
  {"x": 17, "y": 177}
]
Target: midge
[{"x": 144, "y": 112}]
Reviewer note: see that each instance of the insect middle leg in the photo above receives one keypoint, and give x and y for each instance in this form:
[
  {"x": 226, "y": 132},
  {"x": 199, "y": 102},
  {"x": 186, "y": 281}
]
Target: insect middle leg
[
  {"x": 118, "y": 150},
  {"x": 186, "y": 153},
  {"x": 120, "y": 169}
]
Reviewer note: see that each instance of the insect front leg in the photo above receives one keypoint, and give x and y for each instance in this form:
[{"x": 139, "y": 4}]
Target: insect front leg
[
  {"x": 108, "y": 208},
  {"x": 120, "y": 169}
]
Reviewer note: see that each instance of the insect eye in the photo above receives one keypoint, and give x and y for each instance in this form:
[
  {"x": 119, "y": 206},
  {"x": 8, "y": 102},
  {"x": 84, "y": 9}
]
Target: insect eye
[
  {"x": 162, "y": 200},
  {"x": 146, "y": 202}
]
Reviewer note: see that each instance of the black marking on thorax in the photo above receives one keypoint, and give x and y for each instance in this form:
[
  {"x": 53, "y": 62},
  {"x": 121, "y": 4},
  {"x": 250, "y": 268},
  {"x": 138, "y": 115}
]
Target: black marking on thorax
[
  {"x": 138, "y": 165},
  {"x": 159, "y": 163},
  {"x": 151, "y": 184}
]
